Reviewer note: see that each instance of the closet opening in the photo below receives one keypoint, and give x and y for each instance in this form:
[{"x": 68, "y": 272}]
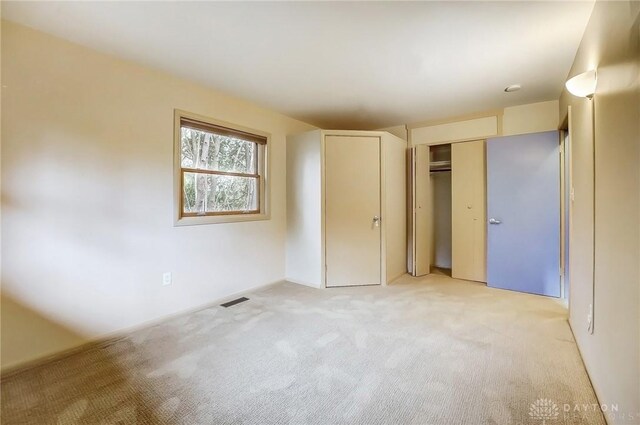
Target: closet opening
[
  {"x": 440, "y": 182},
  {"x": 448, "y": 217}
]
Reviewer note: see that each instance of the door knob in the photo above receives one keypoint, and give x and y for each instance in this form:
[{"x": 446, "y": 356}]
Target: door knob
[
  {"x": 376, "y": 220},
  {"x": 494, "y": 221}
]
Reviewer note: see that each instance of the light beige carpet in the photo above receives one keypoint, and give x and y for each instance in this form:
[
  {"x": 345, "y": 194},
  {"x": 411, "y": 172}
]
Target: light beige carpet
[{"x": 422, "y": 351}]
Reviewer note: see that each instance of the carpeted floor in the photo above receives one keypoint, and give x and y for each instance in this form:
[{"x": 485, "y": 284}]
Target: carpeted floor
[{"x": 422, "y": 351}]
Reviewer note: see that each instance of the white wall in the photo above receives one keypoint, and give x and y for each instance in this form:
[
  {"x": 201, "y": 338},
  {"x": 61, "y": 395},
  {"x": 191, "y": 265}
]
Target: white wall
[
  {"x": 612, "y": 353},
  {"x": 87, "y": 198},
  {"x": 304, "y": 209}
]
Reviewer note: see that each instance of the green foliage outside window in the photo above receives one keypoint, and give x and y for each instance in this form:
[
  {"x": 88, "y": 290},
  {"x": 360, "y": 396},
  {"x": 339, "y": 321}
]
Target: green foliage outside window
[{"x": 204, "y": 192}]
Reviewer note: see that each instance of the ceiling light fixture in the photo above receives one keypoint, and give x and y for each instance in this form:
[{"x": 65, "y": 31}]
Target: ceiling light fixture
[
  {"x": 512, "y": 88},
  {"x": 583, "y": 85}
]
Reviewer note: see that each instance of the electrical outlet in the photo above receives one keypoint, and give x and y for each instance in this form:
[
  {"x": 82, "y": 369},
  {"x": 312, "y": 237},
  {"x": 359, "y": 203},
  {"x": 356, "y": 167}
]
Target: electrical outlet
[{"x": 166, "y": 278}]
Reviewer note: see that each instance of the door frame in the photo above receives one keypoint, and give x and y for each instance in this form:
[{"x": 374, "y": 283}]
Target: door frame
[
  {"x": 323, "y": 201},
  {"x": 565, "y": 213},
  {"x": 411, "y": 200},
  {"x": 413, "y": 213}
]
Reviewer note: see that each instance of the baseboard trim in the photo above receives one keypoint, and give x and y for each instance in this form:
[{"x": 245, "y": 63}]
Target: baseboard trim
[{"x": 110, "y": 337}]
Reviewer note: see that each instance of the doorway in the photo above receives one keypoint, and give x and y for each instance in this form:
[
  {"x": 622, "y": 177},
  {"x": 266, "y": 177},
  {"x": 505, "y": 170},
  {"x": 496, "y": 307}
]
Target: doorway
[
  {"x": 352, "y": 211},
  {"x": 440, "y": 177},
  {"x": 565, "y": 190},
  {"x": 449, "y": 210}
]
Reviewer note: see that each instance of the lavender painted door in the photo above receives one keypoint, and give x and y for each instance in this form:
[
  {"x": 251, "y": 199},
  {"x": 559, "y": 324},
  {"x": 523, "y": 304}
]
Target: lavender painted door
[{"x": 523, "y": 211}]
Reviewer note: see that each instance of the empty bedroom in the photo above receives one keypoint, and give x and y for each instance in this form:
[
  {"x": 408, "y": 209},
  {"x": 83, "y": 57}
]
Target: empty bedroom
[{"x": 380, "y": 212}]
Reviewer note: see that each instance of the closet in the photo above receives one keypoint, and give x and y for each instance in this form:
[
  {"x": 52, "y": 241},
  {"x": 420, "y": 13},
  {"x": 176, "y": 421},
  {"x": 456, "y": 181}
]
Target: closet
[
  {"x": 447, "y": 218},
  {"x": 346, "y": 208},
  {"x": 440, "y": 179}
]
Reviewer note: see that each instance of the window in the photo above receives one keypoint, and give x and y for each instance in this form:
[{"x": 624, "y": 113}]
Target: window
[{"x": 220, "y": 171}]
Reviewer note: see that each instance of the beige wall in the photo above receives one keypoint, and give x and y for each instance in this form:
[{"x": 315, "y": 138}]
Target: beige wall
[
  {"x": 530, "y": 118},
  {"x": 456, "y": 130},
  {"x": 398, "y": 131},
  {"x": 612, "y": 353},
  {"x": 395, "y": 205},
  {"x": 521, "y": 119},
  {"x": 581, "y": 210},
  {"x": 87, "y": 198}
]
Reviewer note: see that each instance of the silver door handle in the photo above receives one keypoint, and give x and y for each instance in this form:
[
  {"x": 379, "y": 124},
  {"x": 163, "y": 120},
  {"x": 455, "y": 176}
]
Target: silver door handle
[
  {"x": 376, "y": 220},
  {"x": 494, "y": 221}
]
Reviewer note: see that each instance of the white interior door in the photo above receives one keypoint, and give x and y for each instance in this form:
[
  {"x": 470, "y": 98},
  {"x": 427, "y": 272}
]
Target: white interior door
[
  {"x": 352, "y": 211},
  {"x": 422, "y": 211}
]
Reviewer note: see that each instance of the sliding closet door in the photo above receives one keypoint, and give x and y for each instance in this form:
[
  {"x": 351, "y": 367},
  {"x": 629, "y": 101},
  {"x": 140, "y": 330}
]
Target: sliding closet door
[
  {"x": 422, "y": 211},
  {"x": 352, "y": 211},
  {"x": 468, "y": 205}
]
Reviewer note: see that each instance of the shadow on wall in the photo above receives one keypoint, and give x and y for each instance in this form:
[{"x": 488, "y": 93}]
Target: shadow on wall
[
  {"x": 95, "y": 384},
  {"x": 28, "y": 335}
]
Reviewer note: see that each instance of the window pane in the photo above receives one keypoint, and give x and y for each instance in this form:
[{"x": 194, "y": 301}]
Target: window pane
[
  {"x": 213, "y": 193},
  {"x": 209, "y": 151}
]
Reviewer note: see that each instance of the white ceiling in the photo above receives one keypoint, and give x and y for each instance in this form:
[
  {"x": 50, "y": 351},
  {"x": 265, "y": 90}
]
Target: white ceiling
[{"x": 359, "y": 65}]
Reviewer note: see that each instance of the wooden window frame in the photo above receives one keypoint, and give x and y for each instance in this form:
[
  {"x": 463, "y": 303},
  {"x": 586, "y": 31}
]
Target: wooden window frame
[{"x": 260, "y": 138}]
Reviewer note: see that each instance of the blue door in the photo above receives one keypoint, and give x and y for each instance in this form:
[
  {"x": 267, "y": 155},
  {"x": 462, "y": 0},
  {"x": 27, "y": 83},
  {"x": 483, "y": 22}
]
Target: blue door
[{"x": 523, "y": 211}]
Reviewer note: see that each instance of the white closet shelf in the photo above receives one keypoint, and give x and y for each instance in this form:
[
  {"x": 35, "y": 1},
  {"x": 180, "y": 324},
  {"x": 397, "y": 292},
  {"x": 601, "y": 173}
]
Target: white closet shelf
[{"x": 440, "y": 166}]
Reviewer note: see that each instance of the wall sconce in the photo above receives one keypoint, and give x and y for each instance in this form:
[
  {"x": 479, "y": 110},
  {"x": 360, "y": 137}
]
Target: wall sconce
[{"x": 583, "y": 85}]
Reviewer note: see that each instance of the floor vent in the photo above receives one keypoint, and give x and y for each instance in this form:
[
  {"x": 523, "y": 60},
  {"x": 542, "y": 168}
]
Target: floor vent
[{"x": 234, "y": 302}]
